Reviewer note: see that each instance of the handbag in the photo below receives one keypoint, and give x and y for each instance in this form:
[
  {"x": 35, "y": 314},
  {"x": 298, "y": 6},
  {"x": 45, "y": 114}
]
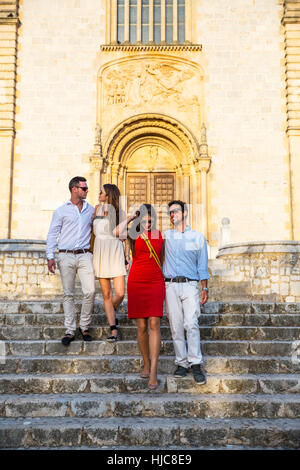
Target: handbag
[{"x": 151, "y": 249}]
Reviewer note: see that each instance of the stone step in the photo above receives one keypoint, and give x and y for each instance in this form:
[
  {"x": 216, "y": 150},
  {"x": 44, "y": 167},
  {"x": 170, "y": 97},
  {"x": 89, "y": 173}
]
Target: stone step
[
  {"x": 21, "y": 383},
  {"x": 129, "y": 332},
  {"x": 56, "y": 306},
  {"x": 123, "y": 348},
  {"x": 205, "y": 319},
  {"x": 132, "y": 364},
  {"x": 95, "y": 405},
  {"x": 191, "y": 432}
]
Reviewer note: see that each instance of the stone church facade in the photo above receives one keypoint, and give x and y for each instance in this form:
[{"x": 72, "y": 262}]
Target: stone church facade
[{"x": 190, "y": 99}]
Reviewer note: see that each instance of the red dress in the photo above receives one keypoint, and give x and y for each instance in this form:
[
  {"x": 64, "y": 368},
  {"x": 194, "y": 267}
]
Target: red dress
[{"x": 146, "y": 285}]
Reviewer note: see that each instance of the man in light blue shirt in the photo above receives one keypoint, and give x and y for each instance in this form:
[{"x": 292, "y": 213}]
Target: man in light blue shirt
[
  {"x": 70, "y": 229},
  {"x": 186, "y": 263}
]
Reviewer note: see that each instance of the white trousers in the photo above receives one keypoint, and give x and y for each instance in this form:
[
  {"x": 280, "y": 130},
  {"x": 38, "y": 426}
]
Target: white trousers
[
  {"x": 183, "y": 309},
  {"x": 69, "y": 265}
]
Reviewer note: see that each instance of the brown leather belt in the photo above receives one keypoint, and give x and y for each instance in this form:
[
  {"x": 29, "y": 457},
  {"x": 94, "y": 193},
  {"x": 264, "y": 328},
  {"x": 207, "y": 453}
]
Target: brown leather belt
[
  {"x": 74, "y": 252},
  {"x": 179, "y": 279}
]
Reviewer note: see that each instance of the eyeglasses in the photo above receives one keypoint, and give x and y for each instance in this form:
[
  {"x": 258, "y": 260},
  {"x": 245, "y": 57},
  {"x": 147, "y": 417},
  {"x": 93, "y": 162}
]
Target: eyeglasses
[
  {"x": 174, "y": 211},
  {"x": 84, "y": 188}
]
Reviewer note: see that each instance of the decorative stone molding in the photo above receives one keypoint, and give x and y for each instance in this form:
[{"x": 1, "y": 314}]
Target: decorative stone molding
[
  {"x": 151, "y": 47},
  {"x": 150, "y": 123}
]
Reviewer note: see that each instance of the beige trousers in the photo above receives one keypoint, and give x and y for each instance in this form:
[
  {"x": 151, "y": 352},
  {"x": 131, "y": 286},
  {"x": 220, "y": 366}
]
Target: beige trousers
[
  {"x": 183, "y": 309},
  {"x": 69, "y": 265}
]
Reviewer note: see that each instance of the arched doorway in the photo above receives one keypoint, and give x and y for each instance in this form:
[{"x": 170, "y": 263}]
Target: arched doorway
[
  {"x": 151, "y": 175},
  {"x": 153, "y": 158}
]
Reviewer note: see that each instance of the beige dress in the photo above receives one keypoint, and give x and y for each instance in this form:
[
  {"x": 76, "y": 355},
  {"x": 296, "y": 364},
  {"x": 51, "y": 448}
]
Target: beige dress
[{"x": 108, "y": 256}]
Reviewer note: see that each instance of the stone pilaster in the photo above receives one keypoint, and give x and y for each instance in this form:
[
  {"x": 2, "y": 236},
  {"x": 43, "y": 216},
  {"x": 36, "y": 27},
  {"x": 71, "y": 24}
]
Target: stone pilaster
[
  {"x": 291, "y": 23},
  {"x": 8, "y": 62}
]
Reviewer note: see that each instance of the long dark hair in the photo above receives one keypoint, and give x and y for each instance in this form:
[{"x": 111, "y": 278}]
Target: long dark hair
[
  {"x": 135, "y": 229},
  {"x": 113, "y": 200}
]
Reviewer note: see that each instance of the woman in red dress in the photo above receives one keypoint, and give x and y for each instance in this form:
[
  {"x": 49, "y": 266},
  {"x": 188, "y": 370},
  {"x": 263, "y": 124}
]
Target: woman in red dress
[{"x": 146, "y": 288}]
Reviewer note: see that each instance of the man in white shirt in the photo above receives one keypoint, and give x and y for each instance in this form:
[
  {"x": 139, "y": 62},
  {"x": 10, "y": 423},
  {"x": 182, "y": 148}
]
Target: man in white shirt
[
  {"x": 186, "y": 263},
  {"x": 70, "y": 229}
]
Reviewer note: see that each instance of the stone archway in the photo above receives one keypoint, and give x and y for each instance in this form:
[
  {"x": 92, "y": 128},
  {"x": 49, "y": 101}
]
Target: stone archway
[{"x": 162, "y": 157}]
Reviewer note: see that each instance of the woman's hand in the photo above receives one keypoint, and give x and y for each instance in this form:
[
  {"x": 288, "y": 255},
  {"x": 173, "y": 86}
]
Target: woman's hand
[
  {"x": 133, "y": 216},
  {"x": 127, "y": 262}
]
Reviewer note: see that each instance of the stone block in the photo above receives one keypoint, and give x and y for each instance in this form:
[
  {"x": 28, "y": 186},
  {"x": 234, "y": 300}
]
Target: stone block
[
  {"x": 22, "y": 271},
  {"x": 275, "y": 288},
  {"x": 295, "y": 288},
  {"x": 32, "y": 279},
  {"x": 6, "y": 278},
  {"x": 284, "y": 288}
]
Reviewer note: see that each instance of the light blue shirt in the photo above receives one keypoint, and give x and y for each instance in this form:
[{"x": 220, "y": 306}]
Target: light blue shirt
[
  {"x": 70, "y": 228},
  {"x": 185, "y": 254}
]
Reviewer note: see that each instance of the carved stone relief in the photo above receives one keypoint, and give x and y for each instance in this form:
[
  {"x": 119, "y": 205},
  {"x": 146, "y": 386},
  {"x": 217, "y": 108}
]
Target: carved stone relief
[
  {"x": 138, "y": 84},
  {"x": 150, "y": 158}
]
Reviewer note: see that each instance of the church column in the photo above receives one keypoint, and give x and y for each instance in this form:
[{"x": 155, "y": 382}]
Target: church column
[
  {"x": 203, "y": 165},
  {"x": 186, "y": 183},
  {"x": 8, "y": 70},
  {"x": 291, "y": 24},
  {"x": 115, "y": 169},
  {"x": 96, "y": 166}
]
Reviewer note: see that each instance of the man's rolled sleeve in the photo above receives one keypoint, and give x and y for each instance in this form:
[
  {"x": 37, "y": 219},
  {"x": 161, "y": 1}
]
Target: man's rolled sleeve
[
  {"x": 202, "y": 266},
  {"x": 54, "y": 231}
]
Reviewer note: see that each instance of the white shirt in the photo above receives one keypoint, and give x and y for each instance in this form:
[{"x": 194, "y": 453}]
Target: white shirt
[{"x": 70, "y": 228}]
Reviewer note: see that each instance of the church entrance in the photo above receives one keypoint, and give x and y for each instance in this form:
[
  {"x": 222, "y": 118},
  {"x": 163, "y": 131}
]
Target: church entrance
[{"x": 154, "y": 159}]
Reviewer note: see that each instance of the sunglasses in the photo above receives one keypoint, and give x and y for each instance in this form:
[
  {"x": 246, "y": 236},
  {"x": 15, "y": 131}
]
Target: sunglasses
[
  {"x": 84, "y": 188},
  {"x": 174, "y": 211}
]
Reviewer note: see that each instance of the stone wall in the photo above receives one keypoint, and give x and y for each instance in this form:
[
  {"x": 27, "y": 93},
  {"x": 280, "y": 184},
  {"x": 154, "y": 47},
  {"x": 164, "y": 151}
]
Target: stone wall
[
  {"x": 256, "y": 271},
  {"x": 24, "y": 272},
  {"x": 263, "y": 271}
]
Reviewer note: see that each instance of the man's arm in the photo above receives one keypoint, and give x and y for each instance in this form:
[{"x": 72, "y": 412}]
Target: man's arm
[
  {"x": 53, "y": 234},
  {"x": 203, "y": 270}
]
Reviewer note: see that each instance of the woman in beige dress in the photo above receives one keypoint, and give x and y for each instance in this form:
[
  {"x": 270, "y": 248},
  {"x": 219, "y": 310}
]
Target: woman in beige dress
[{"x": 108, "y": 253}]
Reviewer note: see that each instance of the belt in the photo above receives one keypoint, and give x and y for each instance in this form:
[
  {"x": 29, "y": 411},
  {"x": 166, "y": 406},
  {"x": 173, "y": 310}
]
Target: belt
[
  {"x": 179, "y": 279},
  {"x": 74, "y": 252}
]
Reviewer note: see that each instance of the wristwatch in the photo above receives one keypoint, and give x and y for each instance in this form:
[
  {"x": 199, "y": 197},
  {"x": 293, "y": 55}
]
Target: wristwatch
[{"x": 205, "y": 288}]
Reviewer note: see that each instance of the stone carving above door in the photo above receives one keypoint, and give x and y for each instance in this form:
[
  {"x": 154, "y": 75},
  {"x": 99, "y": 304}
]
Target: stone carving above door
[
  {"x": 156, "y": 85},
  {"x": 150, "y": 158},
  {"x": 138, "y": 84}
]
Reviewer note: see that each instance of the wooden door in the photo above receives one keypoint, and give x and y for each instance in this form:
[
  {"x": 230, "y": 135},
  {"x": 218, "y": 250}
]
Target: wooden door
[{"x": 153, "y": 188}]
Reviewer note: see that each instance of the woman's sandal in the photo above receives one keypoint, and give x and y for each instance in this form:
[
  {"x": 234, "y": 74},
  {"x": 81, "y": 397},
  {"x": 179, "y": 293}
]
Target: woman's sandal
[
  {"x": 112, "y": 338},
  {"x": 144, "y": 376},
  {"x": 152, "y": 386}
]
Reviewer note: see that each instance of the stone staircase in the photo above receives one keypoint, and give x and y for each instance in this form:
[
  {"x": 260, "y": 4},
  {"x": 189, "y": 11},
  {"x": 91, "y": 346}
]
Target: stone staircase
[{"x": 90, "y": 395}]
